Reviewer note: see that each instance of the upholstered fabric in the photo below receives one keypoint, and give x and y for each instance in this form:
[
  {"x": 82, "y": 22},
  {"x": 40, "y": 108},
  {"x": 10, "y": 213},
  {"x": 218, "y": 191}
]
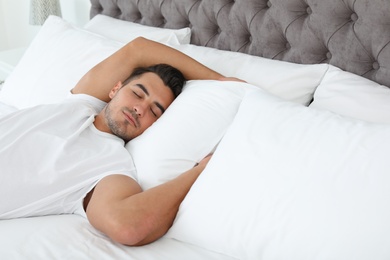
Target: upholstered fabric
[{"x": 351, "y": 34}]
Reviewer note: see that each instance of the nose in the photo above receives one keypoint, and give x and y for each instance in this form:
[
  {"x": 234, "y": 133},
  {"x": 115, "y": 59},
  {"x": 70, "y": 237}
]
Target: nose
[{"x": 139, "y": 110}]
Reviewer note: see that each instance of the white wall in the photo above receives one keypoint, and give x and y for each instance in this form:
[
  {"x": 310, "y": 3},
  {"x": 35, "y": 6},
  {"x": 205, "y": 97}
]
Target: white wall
[
  {"x": 3, "y": 39},
  {"x": 15, "y": 30}
]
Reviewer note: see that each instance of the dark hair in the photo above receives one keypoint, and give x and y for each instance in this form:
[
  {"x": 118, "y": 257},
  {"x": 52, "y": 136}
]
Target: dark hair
[{"x": 171, "y": 76}]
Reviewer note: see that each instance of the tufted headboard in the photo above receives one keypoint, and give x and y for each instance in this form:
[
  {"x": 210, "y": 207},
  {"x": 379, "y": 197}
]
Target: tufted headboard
[{"x": 353, "y": 35}]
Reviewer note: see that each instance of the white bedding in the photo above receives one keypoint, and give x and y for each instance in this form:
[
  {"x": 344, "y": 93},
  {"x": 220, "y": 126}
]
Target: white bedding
[
  {"x": 5, "y": 108},
  {"x": 72, "y": 237},
  {"x": 258, "y": 223}
]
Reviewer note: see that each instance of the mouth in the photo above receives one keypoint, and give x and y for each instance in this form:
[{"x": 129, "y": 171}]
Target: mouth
[{"x": 131, "y": 117}]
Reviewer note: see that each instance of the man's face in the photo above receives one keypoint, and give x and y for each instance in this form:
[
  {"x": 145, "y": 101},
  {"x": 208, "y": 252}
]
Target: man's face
[{"x": 136, "y": 106}]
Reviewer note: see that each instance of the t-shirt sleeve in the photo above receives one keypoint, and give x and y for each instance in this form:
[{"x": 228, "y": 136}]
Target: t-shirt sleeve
[{"x": 95, "y": 103}]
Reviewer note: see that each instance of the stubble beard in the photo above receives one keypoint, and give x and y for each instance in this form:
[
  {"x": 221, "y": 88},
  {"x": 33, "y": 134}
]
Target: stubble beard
[{"x": 117, "y": 128}]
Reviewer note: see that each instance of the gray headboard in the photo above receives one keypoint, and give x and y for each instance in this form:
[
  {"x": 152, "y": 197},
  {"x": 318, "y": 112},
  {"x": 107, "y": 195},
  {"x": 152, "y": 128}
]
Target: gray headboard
[{"x": 351, "y": 34}]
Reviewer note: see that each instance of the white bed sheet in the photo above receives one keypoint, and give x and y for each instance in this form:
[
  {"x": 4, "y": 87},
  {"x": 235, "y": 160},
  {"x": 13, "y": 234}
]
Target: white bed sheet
[{"x": 72, "y": 237}]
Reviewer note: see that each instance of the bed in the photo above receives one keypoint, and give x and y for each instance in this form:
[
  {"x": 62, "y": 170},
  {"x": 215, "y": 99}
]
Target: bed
[{"x": 300, "y": 167}]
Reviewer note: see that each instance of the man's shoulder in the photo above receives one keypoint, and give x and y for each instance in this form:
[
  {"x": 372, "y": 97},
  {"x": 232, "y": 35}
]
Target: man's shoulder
[{"x": 85, "y": 99}]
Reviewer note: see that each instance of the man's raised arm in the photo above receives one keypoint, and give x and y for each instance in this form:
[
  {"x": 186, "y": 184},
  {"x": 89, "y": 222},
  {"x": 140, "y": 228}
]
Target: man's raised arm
[{"x": 138, "y": 53}]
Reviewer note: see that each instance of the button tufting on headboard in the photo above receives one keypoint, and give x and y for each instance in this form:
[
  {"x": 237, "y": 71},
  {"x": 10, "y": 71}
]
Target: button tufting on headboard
[
  {"x": 354, "y": 17},
  {"x": 355, "y": 32},
  {"x": 375, "y": 65}
]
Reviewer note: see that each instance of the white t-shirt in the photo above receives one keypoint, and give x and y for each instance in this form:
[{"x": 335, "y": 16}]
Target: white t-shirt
[{"x": 51, "y": 156}]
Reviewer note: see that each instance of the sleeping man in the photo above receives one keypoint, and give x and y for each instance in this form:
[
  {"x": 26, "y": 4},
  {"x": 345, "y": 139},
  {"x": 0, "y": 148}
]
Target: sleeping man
[{"x": 69, "y": 158}]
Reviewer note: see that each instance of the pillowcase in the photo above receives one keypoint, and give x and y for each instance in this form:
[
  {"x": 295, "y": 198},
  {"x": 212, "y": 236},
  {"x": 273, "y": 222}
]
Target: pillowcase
[
  {"x": 125, "y": 31},
  {"x": 291, "y": 182},
  {"x": 58, "y": 57},
  {"x": 351, "y": 95},
  {"x": 290, "y": 81},
  {"x": 188, "y": 131},
  {"x": 54, "y": 62}
]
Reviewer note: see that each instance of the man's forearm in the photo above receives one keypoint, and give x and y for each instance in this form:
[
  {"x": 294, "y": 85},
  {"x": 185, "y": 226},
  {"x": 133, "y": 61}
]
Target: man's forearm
[
  {"x": 167, "y": 199},
  {"x": 190, "y": 68},
  {"x": 138, "y": 53},
  {"x": 130, "y": 216}
]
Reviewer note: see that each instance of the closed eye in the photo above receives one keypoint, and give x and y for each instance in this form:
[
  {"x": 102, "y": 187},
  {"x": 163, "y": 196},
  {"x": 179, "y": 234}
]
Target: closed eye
[
  {"x": 154, "y": 114},
  {"x": 157, "y": 109},
  {"x": 137, "y": 95}
]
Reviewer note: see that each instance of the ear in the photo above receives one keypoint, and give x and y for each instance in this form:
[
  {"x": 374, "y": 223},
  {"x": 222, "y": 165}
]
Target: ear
[{"x": 115, "y": 89}]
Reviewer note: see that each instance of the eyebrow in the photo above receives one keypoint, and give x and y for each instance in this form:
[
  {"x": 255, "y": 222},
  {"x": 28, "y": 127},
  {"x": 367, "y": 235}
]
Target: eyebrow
[{"x": 142, "y": 87}]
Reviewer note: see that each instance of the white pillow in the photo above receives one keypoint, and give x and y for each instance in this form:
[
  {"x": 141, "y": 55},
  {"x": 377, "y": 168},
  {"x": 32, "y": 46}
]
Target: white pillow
[
  {"x": 54, "y": 62},
  {"x": 351, "y": 95},
  {"x": 57, "y": 58},
  {"x": 188, "y": 131},
  {"x": 291, "y": 182},
  {"x": 125, "y": 31},
  {"x": 290, "y": 81}
]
